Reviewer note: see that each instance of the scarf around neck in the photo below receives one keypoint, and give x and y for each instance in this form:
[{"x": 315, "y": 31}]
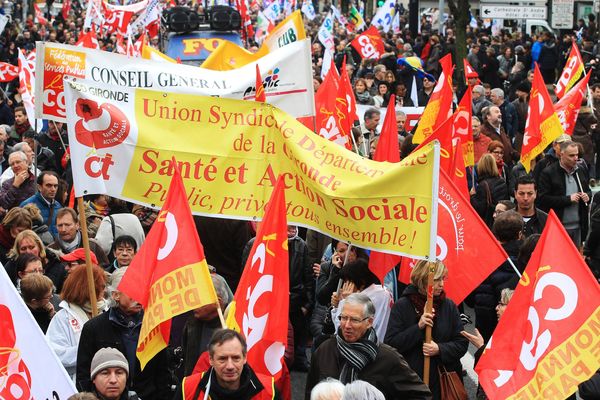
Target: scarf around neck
[
  {"x": 356, "y": 355},
  {"x": 70, "y": 246}
]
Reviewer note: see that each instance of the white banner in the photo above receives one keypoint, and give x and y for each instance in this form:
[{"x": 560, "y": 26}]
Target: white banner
[
  {"x": 29, "y": 368},
  {"x": 384, "y": 16},
  {"x": 289, "y": 83}
]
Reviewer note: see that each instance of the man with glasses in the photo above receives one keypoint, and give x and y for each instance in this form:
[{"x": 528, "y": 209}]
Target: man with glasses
[
  {"x": 353, "y": 353},
  {"x": 21, "y": 186}
]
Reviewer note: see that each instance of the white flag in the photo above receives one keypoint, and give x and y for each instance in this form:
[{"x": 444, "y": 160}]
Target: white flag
[
  {"x": 338, "y": 15},
  {"x": 327, "y": 57},
  {"x": 326, "y": 33},
  {"x": 273, "y": 11},
  {"x": 3, "y": 21},
  {"x": 385, "y": 14},
  {"x": 30, "y": 369},
  {"x": 309, "y": 10},
  {"x": 26, "y": 85},
  {"x": 396, "y": 23}
]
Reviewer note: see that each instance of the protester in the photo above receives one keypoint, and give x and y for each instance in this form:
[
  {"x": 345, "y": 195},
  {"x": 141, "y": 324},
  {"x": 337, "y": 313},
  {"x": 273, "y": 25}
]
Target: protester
[
  {"x": 119, "y": 327},
  {"x": 15, "y": 221},
  {"x": 109, "y": 372},
  {"x": 77, "y": 258},
  {"x": 65, "y": 328},
  {"x": 525, "y": 194},
  {"x": 490, "y": 189},
  {"x": 36, "y": 291},
  {"x": 406, "y": 329},
  {"x": 354, "y": 353},
  {"x": 361, "y": 390},
  {"x": 44, "y": 199}
]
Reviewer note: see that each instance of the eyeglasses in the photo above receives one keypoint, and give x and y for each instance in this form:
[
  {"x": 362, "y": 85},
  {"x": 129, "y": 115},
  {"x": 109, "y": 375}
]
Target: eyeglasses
[
  {"x": 498, "y": 152},
  {"x": 351, "y": 320}
]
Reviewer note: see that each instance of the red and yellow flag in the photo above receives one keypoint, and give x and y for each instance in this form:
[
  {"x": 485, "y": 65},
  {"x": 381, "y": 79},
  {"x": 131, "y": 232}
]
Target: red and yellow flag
[
  {"x": 463, "y": 128},
  {"x": 469, "y": 71},
  {"x": 547, "y": 341},
  {"x": 439, "y": 107},
  {"x": 543, "y": 125},
  {"x": 260, "y": 89},
  {"x": 260, "y": 306},
  {"x": 568, "y": 107},
  {"x": 346, "y": 97},
  {"x": 571, "y": 72},
  {"x": 169, "y": 275}
]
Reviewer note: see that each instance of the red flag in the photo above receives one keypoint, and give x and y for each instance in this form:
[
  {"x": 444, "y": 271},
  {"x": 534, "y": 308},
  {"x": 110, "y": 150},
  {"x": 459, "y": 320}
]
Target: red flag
[
  {"x": 547, "y": 341},
  {"x": 260, "y": 89},
  {"x": 459, "y": 171},
  {"x": 463, "y": 128},
  {"x": 542, "y": 125},
  {"x": 329, "y": 112},
  {"x": 347, "y": 94},
  {"x": 387, "y": 150},
  {"x": 8, "y": 72},
  {"x": 571, "y": 72},
  {"x": 89, "y": 40},
  {"x": 369, "y": 44},
  {"x": 469, "y": 71},
  {"x": 443, "y": 134},
  {"x": 169, "y": 275},
  {"x": 39, "y": 15},
  {"x": 66, "y": 7},
  {"x": 116, "y": 20},
  {"x": 568, "y": 107},
  {"x": 260, "y": 306},
  {"x": 464, "y": 243},
  {"x": 439, "y": 106}
]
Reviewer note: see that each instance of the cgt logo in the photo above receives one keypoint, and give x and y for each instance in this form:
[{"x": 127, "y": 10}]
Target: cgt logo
[
  {"x": 270, "y": 81},
  {"x": 100, "y": 126}
]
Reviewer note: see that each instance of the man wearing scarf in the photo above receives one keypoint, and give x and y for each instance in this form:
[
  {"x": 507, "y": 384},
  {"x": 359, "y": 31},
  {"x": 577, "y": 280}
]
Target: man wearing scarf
[
  {"x": 20, "y": 127},
  {"x": 353, "y": 353}
]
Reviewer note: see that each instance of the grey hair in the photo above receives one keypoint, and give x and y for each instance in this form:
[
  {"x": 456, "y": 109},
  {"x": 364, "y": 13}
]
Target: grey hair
[
  {"x": 19, "y": 146},
  {"x": 329, "y": 389},
  {"x": 498, "y": 92},
  {"x": 20, "y": 154},
  {"x": 361, "y": 390},
  {"x": 221, "y": 289},
  {"x": 400, "y": 113},
  {"x": 506, "y": 295},
  {"x": 565, "y": 144},
  {"x": 362, "y": 300},
  {"x": 475, "y": 118},
  {"x": 479, "y": 89},
  {"x": 114, "y": 280}
]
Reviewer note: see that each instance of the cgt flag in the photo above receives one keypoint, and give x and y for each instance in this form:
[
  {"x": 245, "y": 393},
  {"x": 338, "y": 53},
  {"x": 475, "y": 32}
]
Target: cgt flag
[
  {"x": 568, "y": 107},
  {"x": 169, "y": 275},
  {"x": 331, "y": 110},
  {"x": 547, "y": 341},
  {"x": 464, "y": 243},
  {"x": 369, "y": 44},
  {"x": 439, "y": 106},
  {"x": 571, "y": 72},
  {"x": 543, "y": 125},
  {"x": 260, "y": 306},
  {"x": 463, "y": 127}
]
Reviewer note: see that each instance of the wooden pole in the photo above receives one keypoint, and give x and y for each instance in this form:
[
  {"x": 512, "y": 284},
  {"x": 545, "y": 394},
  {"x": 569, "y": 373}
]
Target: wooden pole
[
  {"x": 220, "y": 312},
  {"x": 428, "y": 309},
  {"x": 88, "y": 258}
]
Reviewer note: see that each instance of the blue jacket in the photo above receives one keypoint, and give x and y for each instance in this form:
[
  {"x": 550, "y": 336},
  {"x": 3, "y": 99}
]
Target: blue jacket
[{"x": 44, "y": 207}]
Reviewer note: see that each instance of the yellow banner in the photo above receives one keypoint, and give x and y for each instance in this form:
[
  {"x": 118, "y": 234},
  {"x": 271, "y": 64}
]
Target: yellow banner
[
  {"x": 230, "y": 153},
  {"x": 230, "y": 56}
]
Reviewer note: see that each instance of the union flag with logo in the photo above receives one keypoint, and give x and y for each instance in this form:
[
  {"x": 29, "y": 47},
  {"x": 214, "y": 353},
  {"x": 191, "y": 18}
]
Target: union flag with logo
[
  {"x": 548, "y": 340},
  {"x": 570, "y": 73},
  {"x": 369, "y": 44},
  {"x": 169, "y": 275},
  {"x": 568, "y": 107},
  {"x": 260, "y": 306}
]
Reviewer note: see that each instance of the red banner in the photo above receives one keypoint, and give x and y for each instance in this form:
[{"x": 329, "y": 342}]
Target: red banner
[
  {"x": 169, "y": 275},
  {"x": 347, "y": 94},
  {"x": 568, "y": 107},
  {"x": 8, "y": 72},
  {"x": 548, "y": 340},
  {"x": 331, "y": 110},
  {"x": 369, "y": 44},
  {"x": 464, "y": 243},
  {"x": 571, "y": 72},
  {"x": 260, "y": 306}
]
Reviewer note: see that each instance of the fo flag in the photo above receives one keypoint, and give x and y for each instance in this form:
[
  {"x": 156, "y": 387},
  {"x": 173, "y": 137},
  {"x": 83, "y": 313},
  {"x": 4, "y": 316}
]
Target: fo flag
[
  {"x": 8, "y": 72},
  {"x": 260, "y": 306},
  {"x": 464, "y": 243},
  {"x": 543, "y": 125},
  {"x": 571, "y": 72},
  {"x": 169, "y": 275},
  {"x": 439, "y": 106},
  {"x": 568, "y": 107},
  {"x": 547, "y": 341},
  {"x": 29, "y": 369},
  {"x": 369, "y": 44}
]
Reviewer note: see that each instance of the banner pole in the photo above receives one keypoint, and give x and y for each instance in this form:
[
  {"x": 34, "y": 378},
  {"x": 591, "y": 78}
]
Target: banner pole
[
  {"x": 432, "y": 252},
  {"x": 221, "y": 318},
  {"x": 514, "y": 267},
  {"x": 88, "y": 259}
]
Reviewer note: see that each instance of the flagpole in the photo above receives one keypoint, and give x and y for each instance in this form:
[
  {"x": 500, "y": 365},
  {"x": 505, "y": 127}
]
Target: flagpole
[
  {"x": 59, "y": 136},
  {"x": 512, "y": 264},
  {"x": 88, "y": 259},
  {"x": 432, "y": 252},
  {"x": 580, "y": 187},
  {"x": 221, "y": 318}
]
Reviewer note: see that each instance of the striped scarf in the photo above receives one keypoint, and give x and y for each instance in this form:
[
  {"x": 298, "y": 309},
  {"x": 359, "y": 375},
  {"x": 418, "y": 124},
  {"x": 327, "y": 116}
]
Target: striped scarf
[{"x": 356, "y": 355}]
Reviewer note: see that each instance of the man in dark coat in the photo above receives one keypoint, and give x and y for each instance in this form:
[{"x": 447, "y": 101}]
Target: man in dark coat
[
  {"x": 119, "y": 327},
  {"x": 353, "y": 353},
  {"x": 525, "y": 194},
  {"x": 564, "y": 188}
]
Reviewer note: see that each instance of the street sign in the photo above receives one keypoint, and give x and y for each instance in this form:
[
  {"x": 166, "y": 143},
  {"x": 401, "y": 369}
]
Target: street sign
[
  {"x": 562, "y": 14},
  {"x": 512, "y": 12}
]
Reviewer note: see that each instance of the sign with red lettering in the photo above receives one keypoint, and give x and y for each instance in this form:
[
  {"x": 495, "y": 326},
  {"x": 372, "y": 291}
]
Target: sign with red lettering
[{"x": 548, "y": 340}]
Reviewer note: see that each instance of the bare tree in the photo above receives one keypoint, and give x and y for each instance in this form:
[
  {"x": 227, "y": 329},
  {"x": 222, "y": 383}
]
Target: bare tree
[{"x": 460, "y": 10}]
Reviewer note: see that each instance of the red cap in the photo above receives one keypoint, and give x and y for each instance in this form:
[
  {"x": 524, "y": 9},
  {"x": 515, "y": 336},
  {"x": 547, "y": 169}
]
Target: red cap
[{"x": 78, "y": 254}]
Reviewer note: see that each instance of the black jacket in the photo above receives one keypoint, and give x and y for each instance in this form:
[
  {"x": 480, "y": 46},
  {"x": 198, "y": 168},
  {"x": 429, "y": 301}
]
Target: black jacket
[
  {"x": 389, "y": 372},
  {"x": 404, "y": 335},
  {"x": 552, "y": 189},
  {"x": 535, "y": 224},
  {"x": 488, "y": 193},
  {"x": 592, "y": 243},
  {"x": 151, "y": 384}
]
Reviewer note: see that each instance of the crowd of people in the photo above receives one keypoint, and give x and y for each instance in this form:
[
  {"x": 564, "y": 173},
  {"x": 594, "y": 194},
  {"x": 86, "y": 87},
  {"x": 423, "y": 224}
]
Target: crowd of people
[{"x": 355, "y": 336}]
